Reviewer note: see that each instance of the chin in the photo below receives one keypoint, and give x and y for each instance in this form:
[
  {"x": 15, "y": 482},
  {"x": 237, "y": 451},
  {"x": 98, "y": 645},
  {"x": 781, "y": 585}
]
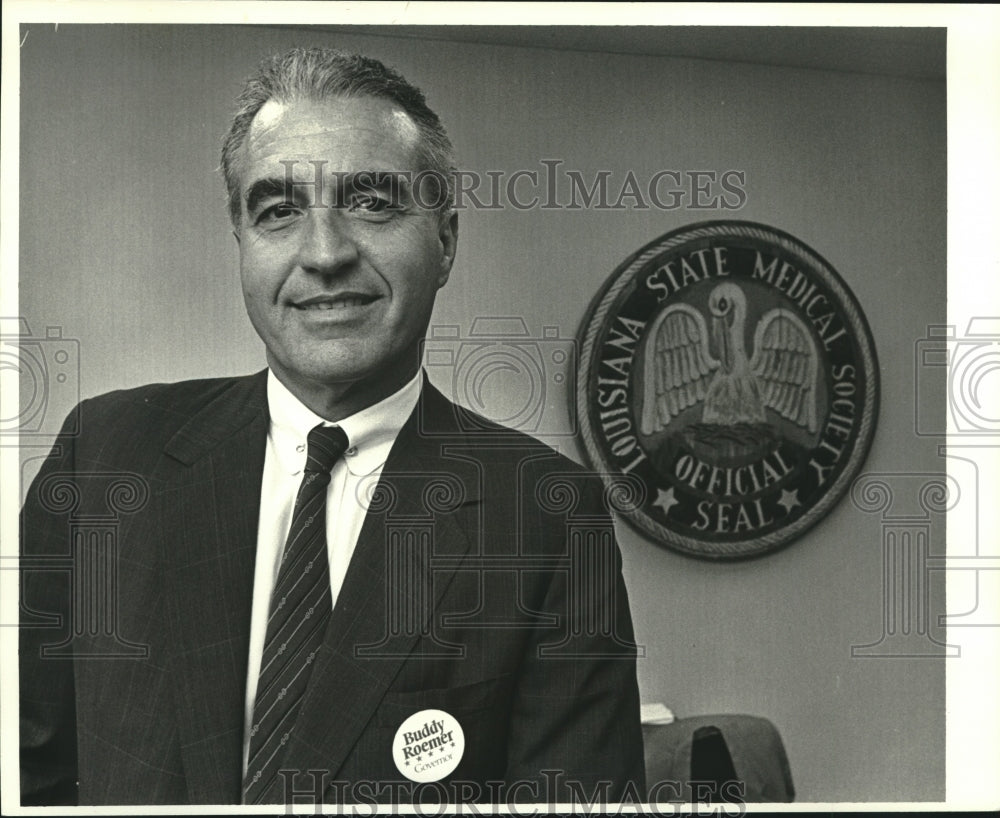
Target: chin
[{"x": 351, "y": 366}]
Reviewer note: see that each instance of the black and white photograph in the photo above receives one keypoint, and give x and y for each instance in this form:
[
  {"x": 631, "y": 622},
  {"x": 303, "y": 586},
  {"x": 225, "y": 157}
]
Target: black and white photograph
[{"x": 482, "y": 407}]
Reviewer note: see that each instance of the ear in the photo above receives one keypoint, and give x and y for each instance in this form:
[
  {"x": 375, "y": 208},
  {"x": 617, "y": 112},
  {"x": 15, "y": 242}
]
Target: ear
[{"x": 448, "y": 236}]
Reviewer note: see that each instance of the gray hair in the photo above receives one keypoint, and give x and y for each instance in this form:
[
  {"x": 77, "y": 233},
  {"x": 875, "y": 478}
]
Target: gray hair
[{"x": 322, "y": 73}]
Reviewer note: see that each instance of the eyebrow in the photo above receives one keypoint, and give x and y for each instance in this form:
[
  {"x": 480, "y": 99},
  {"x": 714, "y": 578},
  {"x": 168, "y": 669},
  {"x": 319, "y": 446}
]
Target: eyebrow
[{"x": 264, "y": 189}]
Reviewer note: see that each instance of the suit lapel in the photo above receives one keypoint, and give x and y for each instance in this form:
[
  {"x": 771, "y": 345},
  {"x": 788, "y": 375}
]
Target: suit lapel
[
  {"x": 381, "y": 612},
  {"x": 210, "y": 501}
]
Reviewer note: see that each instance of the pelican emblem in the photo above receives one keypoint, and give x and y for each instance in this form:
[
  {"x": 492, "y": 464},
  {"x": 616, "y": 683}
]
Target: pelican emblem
[{"x": 681, "y": 370}]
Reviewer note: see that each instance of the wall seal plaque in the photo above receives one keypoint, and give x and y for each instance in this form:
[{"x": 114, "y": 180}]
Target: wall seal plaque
[{"x": 728, "y": 373}]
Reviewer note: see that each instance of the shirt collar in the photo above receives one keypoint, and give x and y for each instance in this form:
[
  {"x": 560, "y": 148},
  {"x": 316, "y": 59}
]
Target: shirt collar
[{"x": 370, "y": 432}]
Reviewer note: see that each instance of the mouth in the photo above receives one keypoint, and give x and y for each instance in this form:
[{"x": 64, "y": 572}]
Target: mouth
[{"x": 332, "y": 303}]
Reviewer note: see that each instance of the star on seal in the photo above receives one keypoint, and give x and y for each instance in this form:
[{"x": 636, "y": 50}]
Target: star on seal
[
  {"x": 665, "y": 500},
  {"x": 789, "y": 499}
]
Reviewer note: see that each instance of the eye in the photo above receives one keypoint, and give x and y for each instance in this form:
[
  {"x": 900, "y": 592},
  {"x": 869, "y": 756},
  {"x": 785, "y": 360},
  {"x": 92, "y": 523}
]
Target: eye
[
  {"x": 723, "y": 304},
  {"x": 278, "y": 213}
]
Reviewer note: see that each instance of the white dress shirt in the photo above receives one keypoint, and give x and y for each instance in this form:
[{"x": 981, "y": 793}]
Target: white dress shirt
[{"x": 370, "y": 435}]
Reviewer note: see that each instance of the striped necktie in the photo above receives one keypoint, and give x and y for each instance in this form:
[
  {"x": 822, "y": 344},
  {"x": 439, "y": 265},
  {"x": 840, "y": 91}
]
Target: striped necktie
[{"x": 300, "y": 608}]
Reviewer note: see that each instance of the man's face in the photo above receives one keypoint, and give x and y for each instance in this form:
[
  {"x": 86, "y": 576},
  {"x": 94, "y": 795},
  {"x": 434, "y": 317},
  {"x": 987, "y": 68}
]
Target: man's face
[{"x": 341, "y": 293}]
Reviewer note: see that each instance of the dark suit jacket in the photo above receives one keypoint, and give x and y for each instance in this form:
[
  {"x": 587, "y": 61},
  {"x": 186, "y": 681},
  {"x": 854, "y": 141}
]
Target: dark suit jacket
[{"x": 485, "y": 583}]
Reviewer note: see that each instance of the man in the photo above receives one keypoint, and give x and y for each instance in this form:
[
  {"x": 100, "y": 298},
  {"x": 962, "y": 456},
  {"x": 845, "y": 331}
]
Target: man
[{"x": 311, "y": 556}]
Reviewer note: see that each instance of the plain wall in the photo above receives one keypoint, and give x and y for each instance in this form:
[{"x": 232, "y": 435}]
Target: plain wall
[{"x": 125, "y": 245}]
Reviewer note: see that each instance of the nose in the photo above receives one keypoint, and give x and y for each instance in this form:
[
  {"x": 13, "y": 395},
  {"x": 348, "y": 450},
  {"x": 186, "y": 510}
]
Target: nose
[{"x": 327, "y": 246}]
